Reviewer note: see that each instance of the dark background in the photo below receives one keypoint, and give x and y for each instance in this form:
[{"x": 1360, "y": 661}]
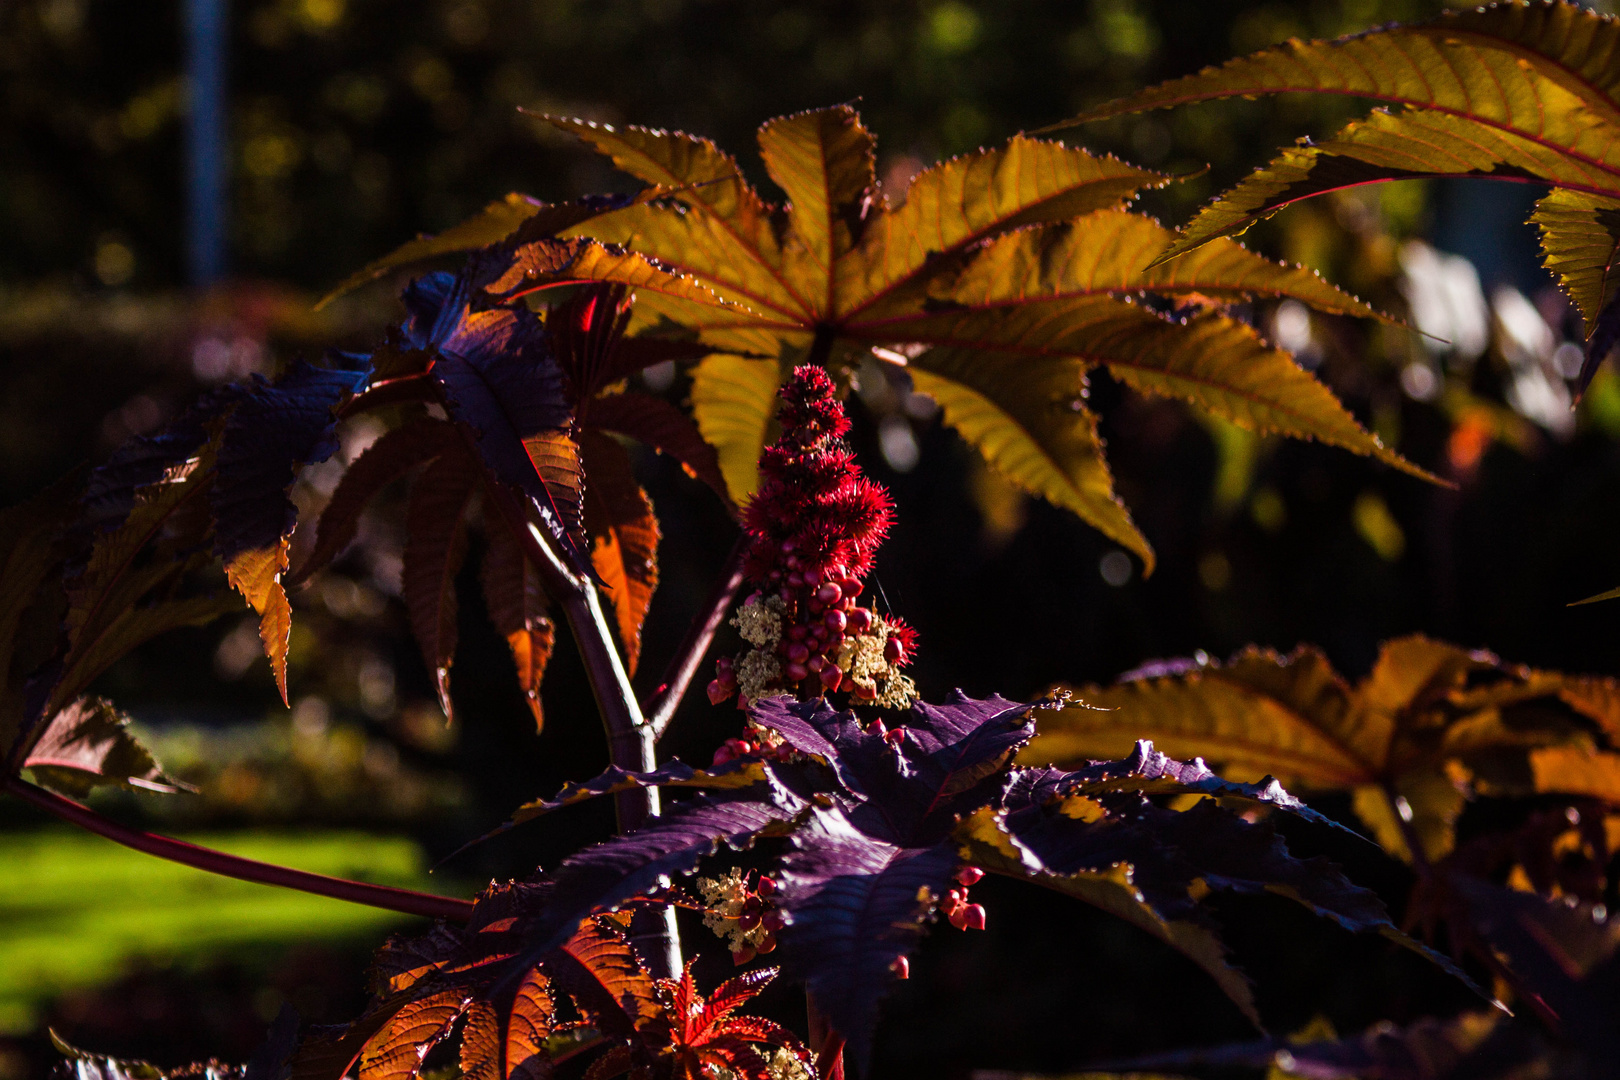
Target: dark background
[{"x": 355, "y": 125}]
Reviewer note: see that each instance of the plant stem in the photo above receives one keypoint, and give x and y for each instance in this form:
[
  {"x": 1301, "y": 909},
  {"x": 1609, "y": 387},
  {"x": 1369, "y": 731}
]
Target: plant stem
[
  {"x": 631, "y": 741},
  {"x": 219, "y": 862},
  {"x": 825, "y": 1043},
  {"x": 660, "y": 708}
]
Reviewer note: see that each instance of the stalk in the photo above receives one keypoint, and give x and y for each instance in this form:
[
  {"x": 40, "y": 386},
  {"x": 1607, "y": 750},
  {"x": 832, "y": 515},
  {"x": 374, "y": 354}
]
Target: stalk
[
  {"x": 218, "y": 862},
  {"x": 631, "y": 740},
  {"x": 660, "y": 708}
]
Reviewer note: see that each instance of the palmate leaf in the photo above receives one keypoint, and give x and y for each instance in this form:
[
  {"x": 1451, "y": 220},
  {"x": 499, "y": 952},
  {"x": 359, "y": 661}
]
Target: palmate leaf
[
  {"x": 1516, "y": 91},
  {"x": 1427, "y": 717},
  {"x": 452, "y": 983},
  {"x": 844, "y": 270}
]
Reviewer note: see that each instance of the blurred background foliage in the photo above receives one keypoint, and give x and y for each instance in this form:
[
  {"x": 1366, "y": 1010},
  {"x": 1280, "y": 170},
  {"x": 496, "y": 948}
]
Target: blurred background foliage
[{"x": 355, "y": 124}]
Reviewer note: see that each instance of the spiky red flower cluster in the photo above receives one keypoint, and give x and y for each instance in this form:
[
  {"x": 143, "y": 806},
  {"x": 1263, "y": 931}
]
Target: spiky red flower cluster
[{"x": 815, "y": 525}]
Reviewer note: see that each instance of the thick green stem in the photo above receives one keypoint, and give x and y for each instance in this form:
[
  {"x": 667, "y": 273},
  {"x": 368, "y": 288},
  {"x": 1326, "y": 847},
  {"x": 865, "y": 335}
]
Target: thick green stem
[{"x": 219, "y": 862}]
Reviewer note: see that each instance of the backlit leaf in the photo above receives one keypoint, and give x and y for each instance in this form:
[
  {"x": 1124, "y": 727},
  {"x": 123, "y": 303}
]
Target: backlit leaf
[
  {"x": 838, "y": 269},
  {"x": 256, "y": 574},
  {"x": 435, "y": 546},
  {"x": 733, "y": 401},
  {"x": 517, "y": 605},
  {"x": 496, "y": 222},
  {"x": 1030, "y": 423},
  {"x": 623, "y": 534},
  {"x": 89, "y": 743},
  {"x": 1580, "y": 242}
]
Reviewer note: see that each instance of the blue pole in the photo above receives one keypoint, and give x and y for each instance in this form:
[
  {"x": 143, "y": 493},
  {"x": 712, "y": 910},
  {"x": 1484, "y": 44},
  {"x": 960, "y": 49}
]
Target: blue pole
[{"x": 207, "y": 167}]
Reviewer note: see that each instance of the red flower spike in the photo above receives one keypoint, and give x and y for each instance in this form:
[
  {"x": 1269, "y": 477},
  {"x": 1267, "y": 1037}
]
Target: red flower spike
[{"x": 814, "y": 526}]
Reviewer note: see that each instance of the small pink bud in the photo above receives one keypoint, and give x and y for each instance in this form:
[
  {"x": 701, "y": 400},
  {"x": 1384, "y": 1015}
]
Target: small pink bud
[
  {"x": 829, "y": 594},
  {"x": 766, "y": 886},
  {"x": 957, "y": 917},
  {"x": 815, "y": 607},
  {"x": 797, "y": 633},
  {"x": 797, "y": 671},
  {"x": 860, "y": 620},
  {"x": 894, "y": 651},
  {"x": 831, "y": 677},
  {"x": 795, "y": 580},
  {"x": 878, "y": 728},
  {"x": 772, "y": 921},
  {"x": 816, "y": 663},
  {"x": 748, "y": 920},
  {"x": 901, "y": 967},
  {"x": 723, "y": 665},
  {"x": 792, "y": 562},
  {"x": 897, "y": 737},
  {"x": 768, "y": 944},
  {"x": 974, "y": 917},
  {"x": 970, "y": 875},
  {"x": 812, "y": 576},
  {"x": 836, "y": 621},
  {"x": 798, "y": 652},
  {"x": 787, "y": 547},
  {"x": 719, "y": 691}
]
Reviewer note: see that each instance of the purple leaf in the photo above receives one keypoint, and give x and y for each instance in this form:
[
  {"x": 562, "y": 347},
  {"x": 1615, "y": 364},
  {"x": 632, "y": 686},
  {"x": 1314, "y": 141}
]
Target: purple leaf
[
  {"x": 500, "y": 378},
  {"x": 632, "y": 864},
  {"x": 855, "y": 905},
  {"x": 273, "y": 428}
]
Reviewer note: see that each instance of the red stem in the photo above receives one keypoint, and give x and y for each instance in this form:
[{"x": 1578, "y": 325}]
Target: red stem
[
  {"x": 825, "y": 1043},
  {"x": 660, "y": 708},
  {"x": 219, "y": 862}
]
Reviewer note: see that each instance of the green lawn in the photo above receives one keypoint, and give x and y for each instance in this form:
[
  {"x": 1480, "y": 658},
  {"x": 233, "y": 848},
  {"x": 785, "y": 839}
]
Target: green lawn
[{"x": 75, "y": 909}]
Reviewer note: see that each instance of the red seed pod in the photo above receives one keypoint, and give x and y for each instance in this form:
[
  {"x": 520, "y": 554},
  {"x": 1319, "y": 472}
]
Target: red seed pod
[
  {"x": 772, "y": 921},
  {"x": 894, "y": 651},
  {"x": 970, "y": 875},
  {"x": 798, "y": 652},
  {"x": 796, "y": 672},
  {"x": 754, "y": 904},
  {"x": 748, "y": 920},
  {"x": 953, "y": 897},
  {"x": 831, "y": 677},
  {"x": 766, "y": 886},
  {"x": 958, "y": 918},
  {"x": 723, "y": 755},
  {"x": 829, "y": 594},
  {"x": 896, "y": 737},
  {"x": 767, "y": 944},
  {"x": 836, "y": 621},
  {"x": 974, "y": 916},
  {"x": 847, "y": 684},
  {"x": 851, "y": 586},
  {"x": 743, "y": 955},
  {"x": 901, "y": 968},
  {"x": 860, "y": 620},
  {"x": 742, "y": 746},
  {"x": 719, "y": 691},
  {"x": 878, "y": 728},
  {"x": 816, "y": 663}
]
